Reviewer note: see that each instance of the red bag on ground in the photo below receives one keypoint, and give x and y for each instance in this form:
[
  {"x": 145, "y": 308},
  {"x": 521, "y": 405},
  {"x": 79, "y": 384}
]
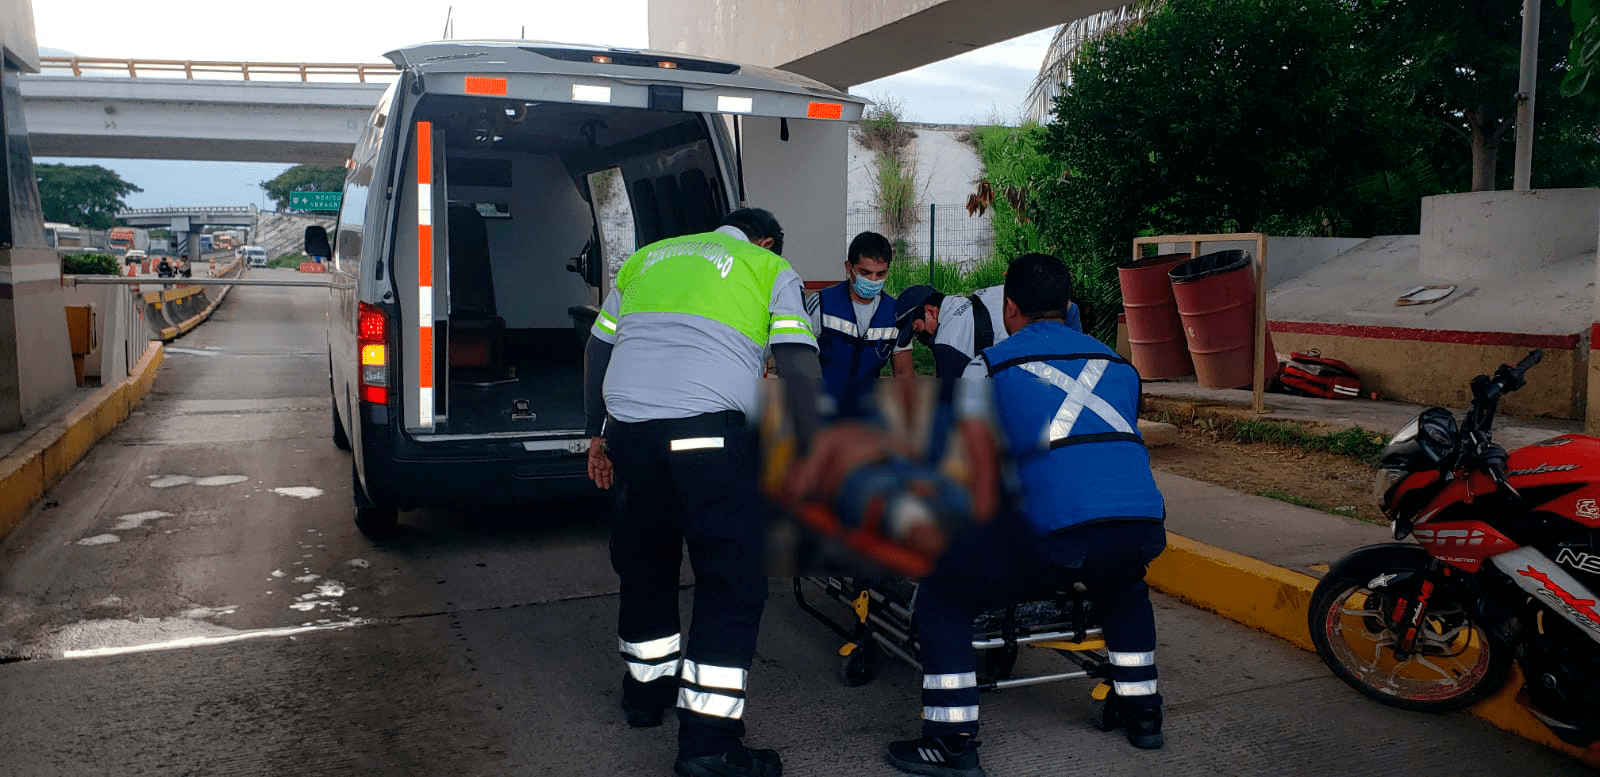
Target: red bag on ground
[{"x": 1310, "y": 374}]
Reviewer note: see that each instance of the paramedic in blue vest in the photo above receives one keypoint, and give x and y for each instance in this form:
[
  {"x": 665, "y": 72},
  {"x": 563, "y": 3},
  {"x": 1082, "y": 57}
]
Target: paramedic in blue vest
[
  {"x": 956, "y": 329},
  {"x": 1061, "y": 409},
  {"x": 855, "y": 326}
]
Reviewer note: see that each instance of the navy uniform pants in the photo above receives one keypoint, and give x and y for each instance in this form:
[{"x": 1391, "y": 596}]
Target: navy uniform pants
[
  {"x": 1000, "y": 567},
  {"x": 689, "y": 481}
]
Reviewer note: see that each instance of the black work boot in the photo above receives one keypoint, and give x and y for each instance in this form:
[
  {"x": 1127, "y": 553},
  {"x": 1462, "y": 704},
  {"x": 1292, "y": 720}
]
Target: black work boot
[
  {"x": 650, "y": 703},
  {"x": 1143, "y": 724},
  {"x": 739, "y": 761},
  {"x": 951, "y": 755},
  {"x": 639, "y": 717}
]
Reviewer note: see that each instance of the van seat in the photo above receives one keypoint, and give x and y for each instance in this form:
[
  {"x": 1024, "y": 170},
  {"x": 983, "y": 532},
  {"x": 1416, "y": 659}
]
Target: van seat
[{"x": 476, "y": 332}]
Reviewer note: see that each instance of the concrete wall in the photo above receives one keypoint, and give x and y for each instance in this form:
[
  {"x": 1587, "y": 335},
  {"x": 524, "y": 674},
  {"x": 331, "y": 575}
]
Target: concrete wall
[
  {"x": 1287, "y": 257},
  {"x": 21, "y": 51},
  {"x": 1488, "y": 234},
  {"x": 284, "y": 233},
  {"x": 947, "y": 170},
  {"x": 848, "y": 42},
  {"x": 35, "y": 360},
  {"x": 1439, "y": 373}
]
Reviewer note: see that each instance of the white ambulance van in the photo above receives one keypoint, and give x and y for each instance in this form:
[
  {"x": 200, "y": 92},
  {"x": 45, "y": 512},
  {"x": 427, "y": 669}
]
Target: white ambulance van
[{"x": 488, "y": 203}]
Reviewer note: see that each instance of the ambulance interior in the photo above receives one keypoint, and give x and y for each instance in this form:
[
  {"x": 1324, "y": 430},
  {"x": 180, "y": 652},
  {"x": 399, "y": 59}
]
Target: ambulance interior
[{"x": 545, "y": 200}]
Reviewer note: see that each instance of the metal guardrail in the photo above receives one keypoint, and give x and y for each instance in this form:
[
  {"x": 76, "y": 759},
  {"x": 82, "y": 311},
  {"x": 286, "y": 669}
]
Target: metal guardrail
[
  {"x": 305, "y": 70},
  {"x": 153, "y": 280},
  {"x": 177, "y": 209}
]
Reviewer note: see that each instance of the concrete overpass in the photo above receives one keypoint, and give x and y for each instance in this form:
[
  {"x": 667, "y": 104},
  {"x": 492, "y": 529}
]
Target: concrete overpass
[
  {"x": 201, "y": 119},
  {"x": 215, "y": 216},
  {"x": 846, "y": 42}
]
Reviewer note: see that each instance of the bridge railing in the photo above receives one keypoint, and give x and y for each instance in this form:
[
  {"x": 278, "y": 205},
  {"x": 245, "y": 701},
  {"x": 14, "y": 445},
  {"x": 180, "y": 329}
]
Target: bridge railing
[
  {"x": 167, "y": 68},
  {"x": 163, "y": 211}
]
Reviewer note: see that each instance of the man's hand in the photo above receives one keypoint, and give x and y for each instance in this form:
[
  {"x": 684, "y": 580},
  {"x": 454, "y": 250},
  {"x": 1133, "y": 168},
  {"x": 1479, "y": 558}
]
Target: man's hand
[
  {"x": 835, "y": 453},
  {"x": 599, "y": 463}
]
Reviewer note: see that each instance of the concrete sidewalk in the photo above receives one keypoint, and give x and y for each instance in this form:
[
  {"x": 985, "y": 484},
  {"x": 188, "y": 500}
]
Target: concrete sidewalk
[{"x": 1256, "y": 560}]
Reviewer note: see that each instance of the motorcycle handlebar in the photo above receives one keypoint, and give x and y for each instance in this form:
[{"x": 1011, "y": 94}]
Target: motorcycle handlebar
[{"x": 1528, "y": 361}]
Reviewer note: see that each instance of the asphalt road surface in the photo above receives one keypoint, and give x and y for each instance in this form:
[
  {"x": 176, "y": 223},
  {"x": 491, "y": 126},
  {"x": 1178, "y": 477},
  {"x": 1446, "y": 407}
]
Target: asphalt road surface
[{"x": 194, "y": 599}]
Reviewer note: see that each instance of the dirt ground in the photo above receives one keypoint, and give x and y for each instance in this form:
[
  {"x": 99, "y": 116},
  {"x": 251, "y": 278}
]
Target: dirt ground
[{"x": 1323, "y": 481}]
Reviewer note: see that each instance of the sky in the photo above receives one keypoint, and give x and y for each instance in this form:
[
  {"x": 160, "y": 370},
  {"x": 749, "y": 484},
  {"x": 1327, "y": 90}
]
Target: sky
[{"x": 981, "y": 86}]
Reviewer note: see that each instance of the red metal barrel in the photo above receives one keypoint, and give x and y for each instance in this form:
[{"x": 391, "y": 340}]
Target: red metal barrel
[
  {"x": 1216, "y": 296},
  {"x": 1155, "y": 330}
]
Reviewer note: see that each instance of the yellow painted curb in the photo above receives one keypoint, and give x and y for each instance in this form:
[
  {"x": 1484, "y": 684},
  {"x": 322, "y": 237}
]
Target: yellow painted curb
[
  {"x": 50, "y": 453},
  {"x": 1276, "y": 600}
]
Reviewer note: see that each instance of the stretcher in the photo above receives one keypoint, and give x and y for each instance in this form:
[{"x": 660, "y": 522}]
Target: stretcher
[{"x": 882, "y": 619}]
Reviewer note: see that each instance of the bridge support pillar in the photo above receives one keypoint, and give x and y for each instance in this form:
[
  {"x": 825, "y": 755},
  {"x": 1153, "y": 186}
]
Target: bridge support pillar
[{"x": 35, "y": 357}]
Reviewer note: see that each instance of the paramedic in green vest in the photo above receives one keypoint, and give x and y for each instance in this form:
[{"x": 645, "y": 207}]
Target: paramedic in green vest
[
  {"x": 957, "y": 328},
  {"x": 672, "y": 373},
  {"x": 855, "y": 326}
]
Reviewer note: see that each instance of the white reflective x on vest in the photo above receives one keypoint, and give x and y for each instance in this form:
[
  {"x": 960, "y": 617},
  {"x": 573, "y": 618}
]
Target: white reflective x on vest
[{"x": 1079, "y": 396}]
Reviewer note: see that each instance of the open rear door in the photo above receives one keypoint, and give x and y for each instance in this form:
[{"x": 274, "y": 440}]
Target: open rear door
[{"x": 803, "y": 181}]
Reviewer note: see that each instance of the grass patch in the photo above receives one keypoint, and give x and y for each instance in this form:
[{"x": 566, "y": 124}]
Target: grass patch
[
  {"x": 1356, "y": 443},
  {"x": 289, "y": 261},
  {"x": 1300, "y": 501}
]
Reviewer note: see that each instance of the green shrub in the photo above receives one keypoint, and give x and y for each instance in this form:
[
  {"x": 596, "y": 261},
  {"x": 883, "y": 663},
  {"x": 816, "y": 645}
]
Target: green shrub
[{"x": 90, "y": 264}]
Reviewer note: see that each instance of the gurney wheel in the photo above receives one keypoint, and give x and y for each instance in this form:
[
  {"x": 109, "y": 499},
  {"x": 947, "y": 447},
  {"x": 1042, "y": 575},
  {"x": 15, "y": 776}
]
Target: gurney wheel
[{"x": 861, "y": 666}]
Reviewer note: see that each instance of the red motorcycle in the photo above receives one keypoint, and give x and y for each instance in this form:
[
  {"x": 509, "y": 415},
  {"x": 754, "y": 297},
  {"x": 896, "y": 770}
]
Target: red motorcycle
[{"x": 1505, "y": 567}]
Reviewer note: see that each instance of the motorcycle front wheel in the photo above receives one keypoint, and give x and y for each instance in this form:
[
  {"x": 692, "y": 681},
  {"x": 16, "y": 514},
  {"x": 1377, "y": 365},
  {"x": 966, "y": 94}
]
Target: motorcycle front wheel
[{"x": 1454, "y": 663}]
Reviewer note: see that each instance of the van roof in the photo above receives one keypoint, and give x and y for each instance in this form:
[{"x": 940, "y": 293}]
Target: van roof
[{"x": 546, "y": 57}]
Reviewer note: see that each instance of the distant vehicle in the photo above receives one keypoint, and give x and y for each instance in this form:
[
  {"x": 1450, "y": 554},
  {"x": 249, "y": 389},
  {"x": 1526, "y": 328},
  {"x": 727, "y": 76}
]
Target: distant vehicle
[
  {"x": 133, "y": 257},
  {"x": 62, "y": 235},
  {"x": 205, "y": 242},
  {"x": 256, "y": 256},
  {"x": 222, "y": 242},
  {"x": 492, "y": 412},
  {"x": 122, "y": 239}
]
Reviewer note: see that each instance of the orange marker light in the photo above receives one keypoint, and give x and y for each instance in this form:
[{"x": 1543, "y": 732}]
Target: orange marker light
[
  {"x": 373, "y": 356},
  {"x": 601, "y": 59},
  {"x": 824, "y": 110},
  {"x": 669, "y": 65},
  {"x": 483, "y": 85}
]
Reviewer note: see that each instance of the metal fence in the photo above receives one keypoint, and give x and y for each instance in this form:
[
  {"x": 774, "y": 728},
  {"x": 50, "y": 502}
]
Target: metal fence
[{"x": 944, "y": 234}]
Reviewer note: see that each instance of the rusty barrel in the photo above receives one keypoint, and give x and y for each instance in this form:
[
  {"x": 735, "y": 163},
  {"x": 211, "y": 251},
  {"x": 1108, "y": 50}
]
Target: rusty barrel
[
  {"x": 1216, "y": 297},
  {"x": 1155, "y": 330}
]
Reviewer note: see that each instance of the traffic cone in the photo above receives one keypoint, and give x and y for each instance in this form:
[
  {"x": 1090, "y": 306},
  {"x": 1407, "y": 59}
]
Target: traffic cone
[{"x": 133, "y": 269}]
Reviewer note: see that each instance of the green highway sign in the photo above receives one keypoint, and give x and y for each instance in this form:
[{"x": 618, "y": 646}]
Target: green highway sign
[{"x": 314, "y": 200}]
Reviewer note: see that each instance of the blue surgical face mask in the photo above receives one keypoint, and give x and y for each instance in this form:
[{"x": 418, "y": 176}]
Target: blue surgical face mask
[{"x": 867, "y": 289}]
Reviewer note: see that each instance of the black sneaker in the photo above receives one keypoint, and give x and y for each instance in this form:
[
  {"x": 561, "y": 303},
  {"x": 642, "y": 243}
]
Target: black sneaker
[
  {"x": 1143, "y": 724},
  {"x": 952, "y": 755},
  {"x": 741, "y": 761}
]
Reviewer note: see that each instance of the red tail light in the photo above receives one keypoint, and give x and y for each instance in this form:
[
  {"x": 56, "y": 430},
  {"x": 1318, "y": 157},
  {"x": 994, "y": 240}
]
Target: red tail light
[{"x": 372, "y": 342}]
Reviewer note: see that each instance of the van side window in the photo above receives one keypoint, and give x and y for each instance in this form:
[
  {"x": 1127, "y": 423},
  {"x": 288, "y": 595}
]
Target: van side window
[{"x": 352, "y": 213}]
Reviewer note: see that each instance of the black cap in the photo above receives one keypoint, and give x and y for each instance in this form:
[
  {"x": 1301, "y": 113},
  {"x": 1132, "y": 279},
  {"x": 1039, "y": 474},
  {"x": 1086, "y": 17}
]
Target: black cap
[{"x": 908, "y": 306}]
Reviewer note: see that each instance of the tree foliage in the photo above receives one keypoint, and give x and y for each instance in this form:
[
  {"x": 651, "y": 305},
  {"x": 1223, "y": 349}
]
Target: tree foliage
[
  {"x": 1458, "y": 62},
  {"x": 82, "y": 195},
  {"x": 1293, "y": 117},
  {"x": 303, "y": 178}
]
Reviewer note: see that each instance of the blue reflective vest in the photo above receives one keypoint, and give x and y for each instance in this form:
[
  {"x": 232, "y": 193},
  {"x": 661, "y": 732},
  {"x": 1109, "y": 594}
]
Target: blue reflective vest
[
  {"x": 852, "y": 358},
  {"x": 1068, "y": 408}
]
